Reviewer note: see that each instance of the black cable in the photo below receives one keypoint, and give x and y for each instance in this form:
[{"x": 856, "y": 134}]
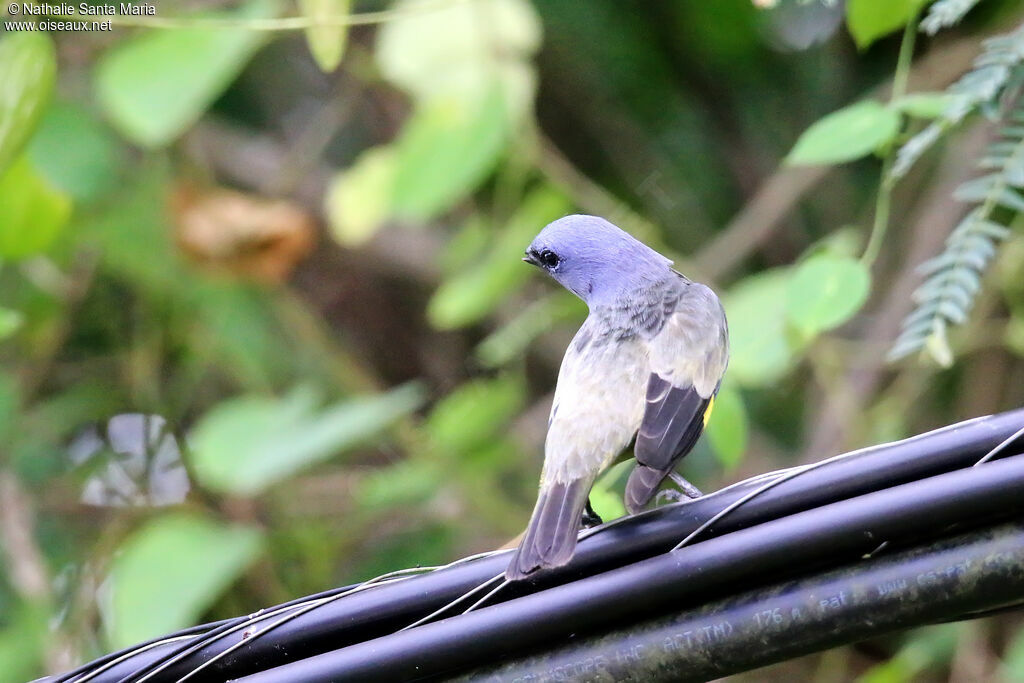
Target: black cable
[
  {"x": 945, "y": 580},
  {"x": 200, "y": 629},
  {"x": 384, "y": 609},
  {"x": 148, "y": 655},
  {"x": 793, "y": 545}
]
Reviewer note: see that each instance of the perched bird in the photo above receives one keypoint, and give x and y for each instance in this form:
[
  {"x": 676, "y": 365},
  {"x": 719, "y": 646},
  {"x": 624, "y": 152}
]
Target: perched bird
[{"x": 646, "y": 364}]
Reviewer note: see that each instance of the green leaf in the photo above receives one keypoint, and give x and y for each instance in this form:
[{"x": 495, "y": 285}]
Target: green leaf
[
  {"x": 925, "y": 648},
  {"x": 246, "y": 444},
  {"x": 756, "y": 307},
  {"x": 135, "y": 239},
  {"x": 158, "y": 83},
  {"x": 471, "y": 89},
  {"x": 923, "y": 105},
  {"x": 510, "y": 340},
  {"x": 170, "y": 570},
  {"x": 606, "y": 496},
  {"x": 10, "y": 400},
  {"x": 473, "y": 292},
  {"x": 28, "y": 69},
  {"x": 486, "y": 43},
  {"x": 607, "y": 503},
  {"x": 469, "y": 416},
  {"x": 445, "y": 150},
  {"x": 410, "y": 482},
  {"x": 31, "y": 212},
  {"x": 326, "y": 41},
  {"x": 10, "y": 322},
  {"x": 937, "y": 345},
  {"x": 24, "y": 640},
  {"x": 727, "y": 427},
  {"x": 847, "y": 134},
  {"x": 825, "y": 292},
  {"x": 358, "y": 200},
  {"x": 75, "y": 152},
  {"x": 869, "y": 20}
]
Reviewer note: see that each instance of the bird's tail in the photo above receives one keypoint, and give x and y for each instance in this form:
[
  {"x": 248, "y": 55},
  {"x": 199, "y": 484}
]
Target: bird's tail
[{"x": 550, "y": 538}]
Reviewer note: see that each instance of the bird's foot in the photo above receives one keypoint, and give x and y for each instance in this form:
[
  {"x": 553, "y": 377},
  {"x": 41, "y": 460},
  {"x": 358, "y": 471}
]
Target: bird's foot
[
  {"x": 687, "y": 491},
  {"x": 590, "y": 518}
]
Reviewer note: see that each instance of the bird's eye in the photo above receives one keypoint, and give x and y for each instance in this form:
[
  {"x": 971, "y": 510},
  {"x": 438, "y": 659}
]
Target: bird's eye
[{"x": 549, "y": 258}]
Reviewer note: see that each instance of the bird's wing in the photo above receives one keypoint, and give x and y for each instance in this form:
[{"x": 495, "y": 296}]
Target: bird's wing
[{"x": 688, "y": 356}]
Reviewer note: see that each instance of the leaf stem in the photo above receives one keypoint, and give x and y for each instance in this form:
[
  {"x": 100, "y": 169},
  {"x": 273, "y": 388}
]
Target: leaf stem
[
  {"x": 279, "y": 23},
  {"x": 884, "y": 200}
]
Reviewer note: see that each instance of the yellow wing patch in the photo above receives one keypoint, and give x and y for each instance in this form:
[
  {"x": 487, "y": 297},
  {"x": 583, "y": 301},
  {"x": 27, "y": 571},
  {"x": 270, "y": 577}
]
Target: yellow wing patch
[{"x": 707, "y": 413}]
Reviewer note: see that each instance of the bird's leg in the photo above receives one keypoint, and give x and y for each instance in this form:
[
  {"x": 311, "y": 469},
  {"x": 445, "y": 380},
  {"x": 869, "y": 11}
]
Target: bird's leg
[
  {"x": 686, "y": 490},
  {"x": 590, "y": 518},
  {"x": 686, "y": 487}
]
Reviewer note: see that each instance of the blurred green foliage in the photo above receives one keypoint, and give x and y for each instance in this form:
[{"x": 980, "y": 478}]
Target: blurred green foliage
[{"x": 294, "y": 229}]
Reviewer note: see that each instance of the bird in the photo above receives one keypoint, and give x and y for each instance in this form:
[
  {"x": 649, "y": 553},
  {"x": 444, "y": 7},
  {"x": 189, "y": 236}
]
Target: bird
[{"x": 644, "y": 368}]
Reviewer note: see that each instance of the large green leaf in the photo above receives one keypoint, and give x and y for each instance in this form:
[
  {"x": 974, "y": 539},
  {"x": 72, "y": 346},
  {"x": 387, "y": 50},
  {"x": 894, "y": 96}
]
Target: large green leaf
[
  {"x": 246, "y": 444},
  {"x": 847, "y": 134},
  {"x": 172, "y": 569},
  {"x": 32, "y": 212},
  {"x": 327, "y": 40},
  {"x": 825, "y": 292},
  {"x": 445, "y": 150},
  {"x": 157, "y": 84},
  {"x": 475, "y": 290},
  {"x": 75, "y": 152},
  {"x": 756, "y": 308},
  {"x": 869, "y": 20},
  {"x": 410, "y": 482},
  {"x": 468, "y": 417},
  {"x": 727, "y": 427},
  {"x": 134, "y": 237},
  {"x": 28, "y": 69},
  {"x": 23, "y": 641}
]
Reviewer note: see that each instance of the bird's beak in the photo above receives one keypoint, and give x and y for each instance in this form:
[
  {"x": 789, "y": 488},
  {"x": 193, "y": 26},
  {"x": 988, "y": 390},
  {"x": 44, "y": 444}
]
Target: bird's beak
[{"x": 531, "y": 258}]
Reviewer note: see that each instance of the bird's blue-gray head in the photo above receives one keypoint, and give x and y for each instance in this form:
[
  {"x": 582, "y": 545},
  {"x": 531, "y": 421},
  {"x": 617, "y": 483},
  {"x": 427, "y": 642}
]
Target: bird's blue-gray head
[{"x": 595, "y": 260}]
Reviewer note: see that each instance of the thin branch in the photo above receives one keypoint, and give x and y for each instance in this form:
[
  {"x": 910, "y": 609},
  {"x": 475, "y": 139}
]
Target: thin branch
[
  {"x": 25, "y": 562},
  {"x": 779, "y": 194},
  {"x": 279, "y": 23},
  {"x": 884, "y": 200}
]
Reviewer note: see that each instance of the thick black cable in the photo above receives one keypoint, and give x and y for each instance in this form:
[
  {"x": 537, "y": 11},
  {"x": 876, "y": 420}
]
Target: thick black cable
[
  {"x": 940, "y": 581},
  {"x": 794, "y": 545},
  {"x": 147, "y": 654},
  {"x": 387, "y": 608}
]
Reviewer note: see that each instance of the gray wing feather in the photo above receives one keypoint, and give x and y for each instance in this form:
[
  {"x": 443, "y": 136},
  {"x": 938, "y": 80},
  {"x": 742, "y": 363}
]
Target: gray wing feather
[
  {"x": 689, "y": 353},
  {"x": 671, "y": 425}
]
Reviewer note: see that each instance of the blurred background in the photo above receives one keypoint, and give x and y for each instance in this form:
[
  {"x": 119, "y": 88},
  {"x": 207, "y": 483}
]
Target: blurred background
[{"x": 265, "y": 329}]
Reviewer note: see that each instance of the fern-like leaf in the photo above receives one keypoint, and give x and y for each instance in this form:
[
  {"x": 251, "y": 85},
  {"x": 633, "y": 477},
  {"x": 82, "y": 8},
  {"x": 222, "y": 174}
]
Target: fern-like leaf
[
  {"x": 946, "y": 13},
  {"x": 953, "y": 278},
  {"x": 1000, "y": 63}
]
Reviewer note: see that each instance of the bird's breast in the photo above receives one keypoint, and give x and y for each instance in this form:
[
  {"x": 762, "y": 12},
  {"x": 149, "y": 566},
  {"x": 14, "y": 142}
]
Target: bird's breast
[{"x": 599, "y": 403}]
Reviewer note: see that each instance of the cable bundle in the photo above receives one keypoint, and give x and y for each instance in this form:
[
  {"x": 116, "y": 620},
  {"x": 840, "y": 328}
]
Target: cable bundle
[{"x": 771, "y": 542}]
